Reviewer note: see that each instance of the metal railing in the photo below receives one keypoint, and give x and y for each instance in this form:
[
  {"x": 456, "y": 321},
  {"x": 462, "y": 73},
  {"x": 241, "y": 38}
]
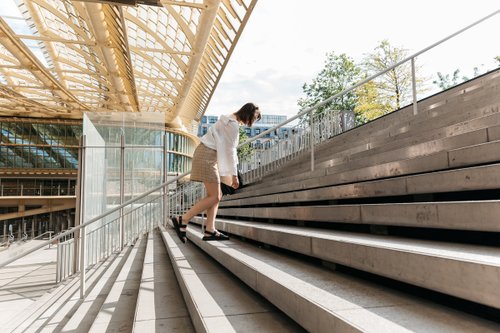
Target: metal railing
[
  {"x": 43, "y": 235},
  {"x": 41, "y": 190},
  {"x": 122, "y": 224},
  {"x": 298, "y": 139},
  {"x": 257, "y": 166}
]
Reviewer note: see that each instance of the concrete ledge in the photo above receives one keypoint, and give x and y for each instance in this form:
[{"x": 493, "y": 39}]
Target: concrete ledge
[
  {"x": 160, "y": 307},
  {"x": 457, "y": 215},
  {"x": 244, "y": 310},
  {"x": 44, "y": 309},
  {"x": 117, "y": 311},
  {"x": 325, "y": 301},
  {"x": 477, "y": 154},
  {"x": 82, "y": 319},
  {"x": 448, "y": 268},
  {"x": 466, "y": 179},
  {"x": 205, "y": 313}
]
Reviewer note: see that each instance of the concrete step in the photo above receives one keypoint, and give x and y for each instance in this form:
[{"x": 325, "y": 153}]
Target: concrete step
[
  {"x": 321, "y": 300},
  {"x": 469, "y": 133},
  {"x": 437, "y": 127},
  {"x": 476, "y": 94},
  {"x": 466, "y": 179},
  {"x": 480, "y": 215},
  {"x": 449, "y": 268},
  {"x": 117, "y": 311},
  {"x": 42, "y": 311},
  {"x": 218, "y": 302},
  {"x": 25, "y": 280},
  {"x": 422, "y": 164},
  {"x": 87, "y": 309},
  {"x": 378, "y": 156},
  {"x": 160, "y": 306},
  {"x": 476, "y": 154},
  {"x": 325, "y": 177},
  {"x": 438, "y": 111},
  {"x": 56, "y": 317}
]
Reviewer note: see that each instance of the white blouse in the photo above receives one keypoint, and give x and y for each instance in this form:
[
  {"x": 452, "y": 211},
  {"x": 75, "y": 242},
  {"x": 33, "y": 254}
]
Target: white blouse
[{"x": 224, "y": 136}]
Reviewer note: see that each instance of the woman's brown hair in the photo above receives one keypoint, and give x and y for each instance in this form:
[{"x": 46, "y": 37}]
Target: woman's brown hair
[{"x": 247, "y": 114}]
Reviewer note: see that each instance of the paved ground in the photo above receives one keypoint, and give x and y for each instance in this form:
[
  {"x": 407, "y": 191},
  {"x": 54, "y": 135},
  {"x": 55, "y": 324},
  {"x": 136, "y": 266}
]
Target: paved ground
[{"x": 25, "y": 280}]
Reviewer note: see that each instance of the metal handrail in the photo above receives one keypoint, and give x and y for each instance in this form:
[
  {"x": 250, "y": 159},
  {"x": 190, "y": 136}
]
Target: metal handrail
[
  {"x": 41, "y": 235},
  {"x": 300, "y": 114}
]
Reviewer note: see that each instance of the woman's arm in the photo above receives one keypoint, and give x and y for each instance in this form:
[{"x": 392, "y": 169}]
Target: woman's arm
[{"x": 236, "y": 182}]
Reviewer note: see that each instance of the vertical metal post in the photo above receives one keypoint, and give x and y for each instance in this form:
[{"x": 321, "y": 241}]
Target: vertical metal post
[
  {"x": 414, "y": 86},
  {"x": 78, "y": 195},
  {"x": 122, "y": 189},
  {"x": 311, "y": 125},
  {"x": 165, "y": 179},
  {"x": 81, "y": 217}
]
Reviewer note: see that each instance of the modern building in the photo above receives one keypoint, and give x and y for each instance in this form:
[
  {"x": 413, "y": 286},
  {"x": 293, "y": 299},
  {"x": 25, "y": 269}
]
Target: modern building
[
  {"x": 62, "y": 59},
  {"x": 265, "y": 123},
  {"x": 205, "y": 123}
]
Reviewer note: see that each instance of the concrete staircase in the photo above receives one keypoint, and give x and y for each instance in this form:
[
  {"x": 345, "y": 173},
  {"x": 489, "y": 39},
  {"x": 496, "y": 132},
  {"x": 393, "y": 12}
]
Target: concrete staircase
[
  {"x": 142, "y": 290},
  {"x": 396, "y": 230},
  {"x": 407, "y": 206}
]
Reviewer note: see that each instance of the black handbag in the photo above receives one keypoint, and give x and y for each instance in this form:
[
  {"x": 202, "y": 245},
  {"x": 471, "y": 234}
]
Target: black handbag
[{"x": 228, "y": 190}]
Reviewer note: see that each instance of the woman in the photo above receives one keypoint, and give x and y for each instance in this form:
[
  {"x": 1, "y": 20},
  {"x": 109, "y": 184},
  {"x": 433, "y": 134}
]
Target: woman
[{"x": 216, "y": 156}]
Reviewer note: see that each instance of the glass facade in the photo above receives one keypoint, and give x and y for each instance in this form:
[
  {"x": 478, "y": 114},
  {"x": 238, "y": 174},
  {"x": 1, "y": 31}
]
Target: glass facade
[
  {"x": 54, "y": 145},
  {"x": 39, "y": 145}
]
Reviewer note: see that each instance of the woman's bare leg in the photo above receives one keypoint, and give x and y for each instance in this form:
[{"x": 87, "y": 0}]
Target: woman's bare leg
[
  {"x": 211, "y": 214},
  {"x": 208, "y": 203}
]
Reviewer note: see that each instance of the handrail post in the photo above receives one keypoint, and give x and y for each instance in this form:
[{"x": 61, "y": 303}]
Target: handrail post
[
  {"x": 165, "y": 179},
  {"x": 77, "y": 206},
  {"x": 81, "y": 216},
  {"x": 122, "y": 190},
  {"x": 414, "y": 86},
  {"x": 311, "y": 126}
]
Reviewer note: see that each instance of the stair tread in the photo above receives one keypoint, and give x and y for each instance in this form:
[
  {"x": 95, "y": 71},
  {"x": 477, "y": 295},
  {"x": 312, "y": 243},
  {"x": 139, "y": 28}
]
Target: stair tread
[
  {"x": 117, "y": 311},
  {"x": 461, "y": 252},
  {"x": 221, "y": 300},
  {"x": 85, "y": 314},
  {"x": 159, "y": 303},
  {"x": 357, "y": 303},
  {"x": 470, "y": 178}
]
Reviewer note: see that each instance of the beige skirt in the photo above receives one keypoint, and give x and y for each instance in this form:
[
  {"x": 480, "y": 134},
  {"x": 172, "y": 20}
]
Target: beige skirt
[{"x": 204, "y": 165}]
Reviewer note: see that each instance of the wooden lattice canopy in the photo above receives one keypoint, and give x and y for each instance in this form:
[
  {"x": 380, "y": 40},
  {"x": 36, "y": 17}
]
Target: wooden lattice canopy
[{"x": 124, "y": 55}]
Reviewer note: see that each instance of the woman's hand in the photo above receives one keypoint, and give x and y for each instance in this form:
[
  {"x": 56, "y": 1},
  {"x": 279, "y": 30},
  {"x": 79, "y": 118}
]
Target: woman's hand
[{"x": 236, "y": 182}]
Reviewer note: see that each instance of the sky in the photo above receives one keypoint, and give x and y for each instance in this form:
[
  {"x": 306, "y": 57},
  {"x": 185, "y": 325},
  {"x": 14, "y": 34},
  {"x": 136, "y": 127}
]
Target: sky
[{"x": 285, "y": 42}]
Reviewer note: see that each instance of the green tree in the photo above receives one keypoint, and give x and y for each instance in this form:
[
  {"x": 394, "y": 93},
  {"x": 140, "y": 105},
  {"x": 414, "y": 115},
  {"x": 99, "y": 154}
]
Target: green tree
[
  {"x": 246, "y": 151},
  {"x": 395, "y": 86},
  {"x": 369, "y": 106},
  {"x": 339, "y": 73},
  {"x": 444, "y": 81},
  {"x": 497, "y": 58}
]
